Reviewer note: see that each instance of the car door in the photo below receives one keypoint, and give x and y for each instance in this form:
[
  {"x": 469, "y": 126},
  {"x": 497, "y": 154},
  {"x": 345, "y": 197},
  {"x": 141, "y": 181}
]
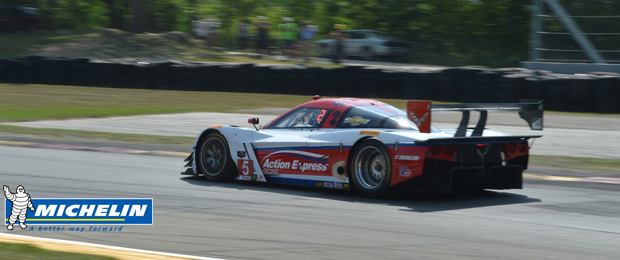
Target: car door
[
  {"x": 355, "y": 43},
  {"x": 285, "y": 152}
]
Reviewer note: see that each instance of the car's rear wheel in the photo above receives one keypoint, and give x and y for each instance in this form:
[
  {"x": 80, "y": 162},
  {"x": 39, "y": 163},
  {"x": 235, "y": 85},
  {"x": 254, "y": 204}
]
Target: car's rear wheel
[
  {"x": 213, "y": 158},
  {"x": 371, "y": 168}
]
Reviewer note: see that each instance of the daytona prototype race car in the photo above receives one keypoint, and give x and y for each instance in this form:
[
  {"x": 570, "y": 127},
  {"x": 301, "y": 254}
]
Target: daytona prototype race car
[{"x": 369, "y": 146}]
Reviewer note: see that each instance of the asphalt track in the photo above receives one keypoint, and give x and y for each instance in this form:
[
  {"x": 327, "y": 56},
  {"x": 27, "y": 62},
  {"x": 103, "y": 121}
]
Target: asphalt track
[
  {"x": 552, "y": 218},
  {"x": 546, "y": 220}
]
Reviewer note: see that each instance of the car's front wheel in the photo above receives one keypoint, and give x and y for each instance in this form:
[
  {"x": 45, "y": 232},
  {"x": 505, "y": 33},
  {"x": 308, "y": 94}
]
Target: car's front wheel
[
  {"x": 371, "y": 168},
  {"x": 213, "y": 158}
]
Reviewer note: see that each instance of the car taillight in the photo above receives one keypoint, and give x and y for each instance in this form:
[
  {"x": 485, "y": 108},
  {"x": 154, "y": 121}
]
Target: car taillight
[
  {"x": 511, "y": 148},
  {"x": 449, "y": 149},
  {"x": 389, "y": 43},
  {"x": 522, "y": 147},
  {"x": 435, "y": 149}
]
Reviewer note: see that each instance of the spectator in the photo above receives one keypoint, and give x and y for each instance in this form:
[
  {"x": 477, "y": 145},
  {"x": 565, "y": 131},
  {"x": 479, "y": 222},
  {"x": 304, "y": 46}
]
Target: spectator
[
  {"x": 262, "y": 27},
  {"x": 244, "y": 34},
  {"x": 290, "y": 31},
  {"x": 212, "y": 34},
  {"x": 307, "y": 34},
  {"x": 337, "y": 35},
  {"x": 199, "y": 29}
]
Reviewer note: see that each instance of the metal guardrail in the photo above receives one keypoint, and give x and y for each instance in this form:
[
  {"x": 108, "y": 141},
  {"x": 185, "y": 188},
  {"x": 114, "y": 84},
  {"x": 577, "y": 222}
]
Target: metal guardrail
[{"x": 573, "y": 29}]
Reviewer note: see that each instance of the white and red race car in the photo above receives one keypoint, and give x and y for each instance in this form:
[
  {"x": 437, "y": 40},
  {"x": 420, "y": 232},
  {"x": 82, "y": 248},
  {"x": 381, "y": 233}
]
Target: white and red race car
[{"x": 369, "y": 146}]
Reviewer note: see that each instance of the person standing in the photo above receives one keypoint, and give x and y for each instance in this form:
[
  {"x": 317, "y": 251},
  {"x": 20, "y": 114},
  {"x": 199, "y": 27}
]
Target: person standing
[
  {"x": 338, "y": 35},
  {"x": 290, "y": 31},
  {"x": 262, "y": 27},
  {"x": 307, "y": 34},
  {"x": 244, "y": 34}
]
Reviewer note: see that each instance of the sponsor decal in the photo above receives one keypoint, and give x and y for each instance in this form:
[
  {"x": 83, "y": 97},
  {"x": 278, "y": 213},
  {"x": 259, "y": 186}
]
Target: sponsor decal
[
  {"x": 369, "y": 132},
  {"x": 404, "y": 171},
  {"x": 290, "y": 161},
  {"x": 338, "y": 185},
  {"x": 419, "y": 112},
  {"x": 407, "y": 157},
  {"x": 418, "y": 121},
  {"x": 356, "y": 120},
  {"x": 482, "y": 154},
  {"x": 89, "y": 212},
  {"x": 20, "y": 207},
  {"x": 537, "y": 123},
  {"x": 328, "y": 184}
]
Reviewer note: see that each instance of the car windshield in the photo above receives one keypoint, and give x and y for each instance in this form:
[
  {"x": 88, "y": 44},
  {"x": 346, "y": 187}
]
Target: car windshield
[
  {"x": 303, "y": 117},
  {"x": 381, "y": 35}
]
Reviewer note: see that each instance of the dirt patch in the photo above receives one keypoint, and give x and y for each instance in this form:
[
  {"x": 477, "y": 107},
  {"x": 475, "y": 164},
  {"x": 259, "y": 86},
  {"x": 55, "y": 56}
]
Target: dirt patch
[{"x": 111, "y": 43}]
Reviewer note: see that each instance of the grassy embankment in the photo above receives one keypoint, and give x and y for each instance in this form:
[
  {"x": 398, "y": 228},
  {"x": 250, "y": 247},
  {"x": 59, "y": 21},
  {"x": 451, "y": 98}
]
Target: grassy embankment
[
  {"x": 104, "y": 44},
  {"x": 19, "y": 251},
  {"x": 41, "y": 102}
]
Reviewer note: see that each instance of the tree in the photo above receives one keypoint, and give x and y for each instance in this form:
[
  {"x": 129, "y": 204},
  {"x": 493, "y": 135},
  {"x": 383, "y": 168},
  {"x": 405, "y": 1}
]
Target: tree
[{"x": 116, "y": 12}]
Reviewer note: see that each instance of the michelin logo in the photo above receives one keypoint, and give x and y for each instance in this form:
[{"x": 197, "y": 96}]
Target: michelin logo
[
  {"x": 78, "y": 211},
  {"x": 85, "y": 210},
  {"x": 20, "y": 201}
]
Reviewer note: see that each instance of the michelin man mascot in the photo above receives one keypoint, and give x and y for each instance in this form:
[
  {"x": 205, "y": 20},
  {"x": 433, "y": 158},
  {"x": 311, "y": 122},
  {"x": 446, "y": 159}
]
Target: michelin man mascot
[{"x": 21, "y": 204}]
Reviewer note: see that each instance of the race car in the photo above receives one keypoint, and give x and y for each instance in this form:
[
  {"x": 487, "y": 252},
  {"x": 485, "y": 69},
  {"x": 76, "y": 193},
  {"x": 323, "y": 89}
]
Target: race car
[{"x": 371, "y": 147}]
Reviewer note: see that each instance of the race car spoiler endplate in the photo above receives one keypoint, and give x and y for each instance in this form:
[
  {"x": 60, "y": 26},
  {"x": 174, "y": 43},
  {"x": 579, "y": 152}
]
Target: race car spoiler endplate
[{"x": 420, "y": 113}]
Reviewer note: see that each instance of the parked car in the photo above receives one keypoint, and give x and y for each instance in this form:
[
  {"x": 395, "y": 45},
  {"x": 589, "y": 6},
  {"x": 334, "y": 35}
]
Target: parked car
[
  {"x": 19, "y": 18},
  {"x": 365, "y": 44}
]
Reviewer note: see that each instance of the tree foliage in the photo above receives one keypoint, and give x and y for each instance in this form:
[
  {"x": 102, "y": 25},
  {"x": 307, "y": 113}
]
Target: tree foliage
[{"x": 448, "y": 32}]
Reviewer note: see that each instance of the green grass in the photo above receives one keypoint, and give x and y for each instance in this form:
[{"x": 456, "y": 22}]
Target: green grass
[
  {"x": 17, "y": 251},
  {"x": 79, "y": 135},
  {"x": 38, "y": 102}
]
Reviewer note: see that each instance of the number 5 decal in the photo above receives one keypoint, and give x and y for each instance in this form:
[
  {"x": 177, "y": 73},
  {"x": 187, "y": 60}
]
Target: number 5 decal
[{"x": 245, "y": 167}]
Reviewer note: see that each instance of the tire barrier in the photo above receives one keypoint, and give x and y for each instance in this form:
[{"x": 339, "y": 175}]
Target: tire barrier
[{"x": 593, "y": 92}]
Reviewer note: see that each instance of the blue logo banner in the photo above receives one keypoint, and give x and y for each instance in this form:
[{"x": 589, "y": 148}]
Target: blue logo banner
[{"x": 83, "y": 212}]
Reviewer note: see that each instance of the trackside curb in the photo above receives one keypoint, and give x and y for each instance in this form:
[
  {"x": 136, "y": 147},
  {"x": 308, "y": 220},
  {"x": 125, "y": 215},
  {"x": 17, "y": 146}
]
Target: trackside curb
[{"x": 97, "y": 249}]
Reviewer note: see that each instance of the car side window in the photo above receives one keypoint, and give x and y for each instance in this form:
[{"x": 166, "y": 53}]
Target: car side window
[
  {"x": 303, "y": 117},
  {"x": 360, "y": 117},
  {"x": 357, "y": 35}
]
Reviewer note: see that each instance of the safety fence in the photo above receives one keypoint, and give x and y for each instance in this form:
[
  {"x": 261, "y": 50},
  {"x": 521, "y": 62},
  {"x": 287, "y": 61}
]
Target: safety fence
[{"x": 592, "y": 92}]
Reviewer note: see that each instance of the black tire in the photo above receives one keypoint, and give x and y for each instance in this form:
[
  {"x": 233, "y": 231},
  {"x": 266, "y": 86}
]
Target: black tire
[
  {"x": 371, "y": 168},
  {"x": 213, "y": 158}
]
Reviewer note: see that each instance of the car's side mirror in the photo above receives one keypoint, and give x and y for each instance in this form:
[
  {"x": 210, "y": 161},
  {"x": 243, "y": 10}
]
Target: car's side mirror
[{"x": 254, "y": 121}]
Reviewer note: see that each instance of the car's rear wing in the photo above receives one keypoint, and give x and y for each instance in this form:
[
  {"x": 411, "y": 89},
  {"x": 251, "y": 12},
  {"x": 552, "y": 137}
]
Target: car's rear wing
[{"x": 420, "y": 113}]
